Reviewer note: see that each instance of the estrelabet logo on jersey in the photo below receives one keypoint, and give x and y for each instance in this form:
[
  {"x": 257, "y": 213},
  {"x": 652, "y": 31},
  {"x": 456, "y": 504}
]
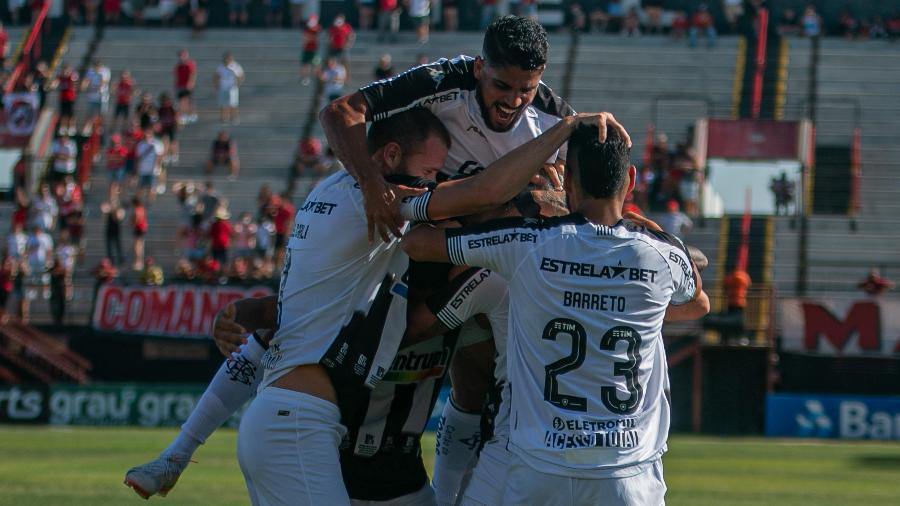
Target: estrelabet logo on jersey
[{"x": 586, "y": 270}]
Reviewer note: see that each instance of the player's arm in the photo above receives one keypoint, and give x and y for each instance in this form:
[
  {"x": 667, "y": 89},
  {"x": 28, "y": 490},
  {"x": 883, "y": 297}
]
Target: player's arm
[
  {"x": 505, "y": 178},
  {"x": 233, "y": 322},
  {"x": 344, "y": 122}
]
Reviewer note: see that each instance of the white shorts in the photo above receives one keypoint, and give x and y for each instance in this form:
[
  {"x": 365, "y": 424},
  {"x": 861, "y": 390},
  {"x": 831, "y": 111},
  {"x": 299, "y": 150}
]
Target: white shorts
[
  {"x": 288, "y": 450},
  {"x": 484, "y": 487},
  {"x": 229, "y": 97},
  {"x": 423, "y": 497},
  {"x": 525, "y": 485}
]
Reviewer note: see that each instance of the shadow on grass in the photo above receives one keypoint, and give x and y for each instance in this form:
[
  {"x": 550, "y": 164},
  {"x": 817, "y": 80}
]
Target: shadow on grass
[{"x": 879, "y": 461}]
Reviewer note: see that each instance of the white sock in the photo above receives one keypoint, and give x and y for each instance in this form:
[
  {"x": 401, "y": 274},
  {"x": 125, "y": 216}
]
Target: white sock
[
  {"x": 232, "y": 386},
  {"x": 458, "y": 437}
]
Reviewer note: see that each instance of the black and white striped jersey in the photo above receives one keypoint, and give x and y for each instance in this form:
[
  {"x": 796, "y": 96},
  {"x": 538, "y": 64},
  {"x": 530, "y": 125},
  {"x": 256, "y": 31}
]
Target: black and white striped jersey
[{"x": 449, "y": 89}]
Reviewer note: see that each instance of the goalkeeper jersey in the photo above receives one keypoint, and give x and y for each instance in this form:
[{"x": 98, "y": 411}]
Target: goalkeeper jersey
[{"x": 586, "y": 368}]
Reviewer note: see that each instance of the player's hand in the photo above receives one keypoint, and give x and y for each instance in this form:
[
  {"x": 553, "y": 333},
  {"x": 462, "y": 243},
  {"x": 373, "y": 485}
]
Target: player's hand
[
  {"x": 382, "y": 202},
  {"x": 643, "y": 221},
  {"x": 555, "y": 172},
  {"x": 229, "y": 336},
  {"x": 603, "y": 121}
]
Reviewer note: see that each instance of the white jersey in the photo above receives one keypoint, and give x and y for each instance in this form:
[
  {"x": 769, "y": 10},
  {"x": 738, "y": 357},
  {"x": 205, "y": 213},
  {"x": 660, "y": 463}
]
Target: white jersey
[
  {"x": 586, "y": 369},
  {"x": 335, "y": 298},
  {"x": 448, "y": 89}
]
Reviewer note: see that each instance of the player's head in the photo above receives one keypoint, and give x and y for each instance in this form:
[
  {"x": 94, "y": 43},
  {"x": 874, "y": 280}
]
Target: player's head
[
  {"x": 412, "y": 142},
  {"x": 509, "y": 70},
  {"x": 599, "y": 170}
]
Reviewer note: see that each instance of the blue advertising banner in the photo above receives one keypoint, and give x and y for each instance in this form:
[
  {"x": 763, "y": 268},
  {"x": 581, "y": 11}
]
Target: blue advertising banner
[{"x": 833, "y": 416}]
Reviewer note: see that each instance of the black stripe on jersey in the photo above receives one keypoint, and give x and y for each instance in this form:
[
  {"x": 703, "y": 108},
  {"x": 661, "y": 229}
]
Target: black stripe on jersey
[
  {"x": 657, "y": 235},
  {"x": 506, "y": 223},
  {"x": 411, "y": 87},
  {"x": 439, "y": 300},
  {"x": 549, "y": 103},
  {"x": 360, "y": 338}
]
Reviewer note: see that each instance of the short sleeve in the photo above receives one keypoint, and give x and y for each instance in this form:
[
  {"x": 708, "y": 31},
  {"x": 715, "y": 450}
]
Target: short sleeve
[
  {"x": 476, "y": 291},
  {"x": 415, "y": 86},
  {"x": 499, "y": 245},
  {"x": 685, "y": 287}
]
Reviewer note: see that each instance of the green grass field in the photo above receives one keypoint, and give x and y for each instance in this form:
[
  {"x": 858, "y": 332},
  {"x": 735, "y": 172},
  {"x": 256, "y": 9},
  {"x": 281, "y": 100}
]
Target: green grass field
[{"x": 85, "y": 466}]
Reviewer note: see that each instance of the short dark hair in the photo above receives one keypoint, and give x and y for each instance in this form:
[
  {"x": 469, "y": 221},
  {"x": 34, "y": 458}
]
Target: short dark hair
[
  {"x": 602, "y": 169},
  {"x": 409, "y": 129},
  {"x": 513, "y": 40}
]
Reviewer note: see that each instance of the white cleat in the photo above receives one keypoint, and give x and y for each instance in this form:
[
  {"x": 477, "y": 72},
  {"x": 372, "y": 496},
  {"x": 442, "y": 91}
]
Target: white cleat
[{"x": 157, "y": 476}]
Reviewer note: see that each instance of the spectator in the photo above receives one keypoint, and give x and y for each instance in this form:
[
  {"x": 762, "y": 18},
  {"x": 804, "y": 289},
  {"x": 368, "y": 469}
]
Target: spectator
[
  {"x": 733, "y": 10},
  {"x": 874, "y": 284},
  {"x": 385, "y": 68},
  {"x": 229, "y": 76},
  {"x": 67, "y": 83},
  {"x": 265, "y": 231},
  {"x": 146, "y": 112},
  {"x": 631, "y": 25},
  {"x": 297, "y": 8},
  {"x": 4, "y": 46},
  {"x": 66, "y": 254},
  {"x": 185, "y": 79},
  {"x": 307, "y": 158},
  {"x": 44, "y": 210},
  {"x": 220, "y": 235},
  {"x": 39, "y": 254},
  {"x": 70, "y": 199},
  {"x": 283, "y": 219},
  {"x": 139, "y": 227},
  {"x": 309, "y": 59},
  {"x": 789, "y": 24},
  {"x": 125, "y": 91},
  {"x": 812, "y": 23},
  {"x": 65, "y": 157},
  {"x": 340, "y": 38},
  {"x": 57, "y": 274},
  {"x": 15, "y": 10},
  {"x": 488, "y": 12},
  {"x": 130, "y": 139},
  {"x": 674, "y": 221},
  {"x": 702, "y": 22},
  {"x": 274, "y": 14},
  {"x": 42, "y": 81},
  {"x": 736, "y": 285},
  {"x": 17, "y": 241},
  {"x": 237, "y": 14},
  {"x": 388, "y": 20},
  {"x": 114, "y": 215},
  {"x": 577, "y": 18},
  {"x": 168, "y": 127},
  {"x": 112, "y": 10},
  {"x": 245, "y": 236},
  {"x": 184, "y": 270},
  {"x": 199, "y": 16},
  {"x": 878, "y": 29},
  {"x": 194, "y": 239},
  {"x": 8, "y": 269},
  {"x": 208, "y": 269},
  {"x": 783, "y": 192},
  {"x": 116, "y": 154},
  {"x": 187, "y": 204},
  {"x": 366, "y": 12},
  {"x": 152, "y": 274},
  {"x": 239, "y": 271},
  {"x": 615, "y": 15},
  {"x": 680, "y": 24},
  {"x": 654, "y": 11},
  {"x": 148, "y": 161},
  {"x": 105, "y": 271},
  {"x": 209, "y": 201},
  {"x": 420, "y": 13},
  {"x": 264, "y": 199},
  {"x": 528, "y": 9},
  {"x": 224, "y": 153},
  {"x": 849, "y": 25},
  {"x": 893, "y": 27},
  {"x": 96, "y": 84},
  {"x": 333, "y": 78},
  {"x": 450, "y": 15}
]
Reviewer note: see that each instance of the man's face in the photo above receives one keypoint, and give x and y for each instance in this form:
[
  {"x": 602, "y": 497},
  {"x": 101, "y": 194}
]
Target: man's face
[
  {"x": 426, "y": 161},
  {"x": 504, "y": 92}
]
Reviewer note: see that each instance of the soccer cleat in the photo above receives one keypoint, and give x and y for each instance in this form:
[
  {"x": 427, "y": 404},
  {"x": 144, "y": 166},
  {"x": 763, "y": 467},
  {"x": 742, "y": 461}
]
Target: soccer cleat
[{"x": 157, "y": 476}]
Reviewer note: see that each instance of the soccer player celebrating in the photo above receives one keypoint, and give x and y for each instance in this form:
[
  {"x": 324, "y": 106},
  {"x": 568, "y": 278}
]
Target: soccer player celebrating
[
  {"x": 588, "y": 294},
  {"x": 490, "y": 104}
]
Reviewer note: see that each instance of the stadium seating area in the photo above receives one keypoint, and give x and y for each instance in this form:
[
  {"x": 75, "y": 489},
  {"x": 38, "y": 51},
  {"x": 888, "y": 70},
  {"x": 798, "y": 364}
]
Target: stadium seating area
[{"x": 622, "y": 75}]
